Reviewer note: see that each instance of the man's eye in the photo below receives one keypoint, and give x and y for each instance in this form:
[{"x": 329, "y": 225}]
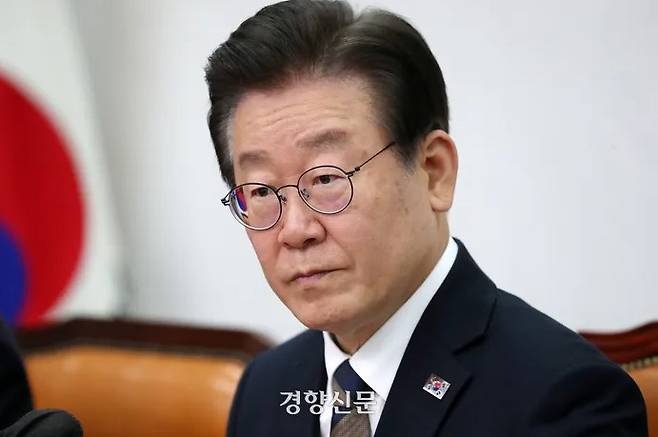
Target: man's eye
[
  {"x": 324, "y": 179},
  {"x": 260, "y": 192}
]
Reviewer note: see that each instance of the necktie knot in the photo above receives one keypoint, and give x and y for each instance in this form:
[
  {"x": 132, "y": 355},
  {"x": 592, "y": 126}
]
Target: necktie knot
[{"x": 348, "y": 379}]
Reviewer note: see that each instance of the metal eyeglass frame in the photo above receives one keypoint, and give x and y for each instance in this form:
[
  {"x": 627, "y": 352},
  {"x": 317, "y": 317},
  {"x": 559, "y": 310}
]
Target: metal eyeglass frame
[{"x": 303, "y": 195}]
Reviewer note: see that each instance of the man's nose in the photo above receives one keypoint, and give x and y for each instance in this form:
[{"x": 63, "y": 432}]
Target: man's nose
[{"x": 299, "y": 225}]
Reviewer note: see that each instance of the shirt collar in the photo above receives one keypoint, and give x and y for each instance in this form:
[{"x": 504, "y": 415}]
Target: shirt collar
[{"x": 377, "y": 361}]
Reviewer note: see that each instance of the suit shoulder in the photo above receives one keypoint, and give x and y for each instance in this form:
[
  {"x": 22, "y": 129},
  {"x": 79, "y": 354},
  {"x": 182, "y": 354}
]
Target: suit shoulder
[
  {"x": 277, "y": 370},
  {"x": 569, "y": 387},
  {"x": 533, "y": 336},
  {"x": 306, "y": 345}
]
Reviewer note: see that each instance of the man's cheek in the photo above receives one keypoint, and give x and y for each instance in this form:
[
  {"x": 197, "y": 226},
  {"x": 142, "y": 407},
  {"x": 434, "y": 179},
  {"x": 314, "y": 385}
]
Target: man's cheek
[{"x": 264, "y": 252}]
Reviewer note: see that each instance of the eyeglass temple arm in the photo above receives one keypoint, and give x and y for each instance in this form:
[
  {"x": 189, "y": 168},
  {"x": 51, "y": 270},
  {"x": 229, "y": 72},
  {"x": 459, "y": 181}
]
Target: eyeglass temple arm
[{"x": 358, "y": 167}]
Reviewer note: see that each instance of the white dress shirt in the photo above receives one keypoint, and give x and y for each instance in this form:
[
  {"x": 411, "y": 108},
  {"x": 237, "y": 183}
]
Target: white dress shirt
[{"x": 377, "y": 361}]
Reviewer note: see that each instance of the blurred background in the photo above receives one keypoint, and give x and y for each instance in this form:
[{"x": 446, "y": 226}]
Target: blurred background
[{"x": 109, "y": 186}]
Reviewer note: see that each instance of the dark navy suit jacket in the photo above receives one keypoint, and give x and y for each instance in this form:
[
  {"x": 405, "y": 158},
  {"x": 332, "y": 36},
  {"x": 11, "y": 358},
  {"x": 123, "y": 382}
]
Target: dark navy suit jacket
[
  {"x": 513, "y": 372},
  {"x": 15, "y": 399}
]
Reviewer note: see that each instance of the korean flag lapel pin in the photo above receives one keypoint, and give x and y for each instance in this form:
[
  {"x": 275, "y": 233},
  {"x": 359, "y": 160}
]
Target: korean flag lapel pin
[{"x": 436, "y": 386}]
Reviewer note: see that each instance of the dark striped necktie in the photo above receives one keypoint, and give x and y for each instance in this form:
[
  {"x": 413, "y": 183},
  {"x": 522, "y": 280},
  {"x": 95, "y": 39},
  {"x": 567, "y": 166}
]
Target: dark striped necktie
[{"x": 349, "y": 424}]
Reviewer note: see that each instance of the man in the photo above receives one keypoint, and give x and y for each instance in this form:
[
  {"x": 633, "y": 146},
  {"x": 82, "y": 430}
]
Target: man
[
  {"x": 332, "y": 130},
  {"x": 15, "y": 398}
]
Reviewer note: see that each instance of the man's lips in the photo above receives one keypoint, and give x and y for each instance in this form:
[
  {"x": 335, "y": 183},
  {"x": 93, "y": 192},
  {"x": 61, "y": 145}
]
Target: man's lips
[{"x": 310, "y": 275}]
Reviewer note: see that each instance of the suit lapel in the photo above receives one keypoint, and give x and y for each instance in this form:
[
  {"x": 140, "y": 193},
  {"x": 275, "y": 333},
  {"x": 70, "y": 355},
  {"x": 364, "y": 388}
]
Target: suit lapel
[
  {"x": 456, "y": 316},
  {"x": 409, "y": 409},
  {"x": 306, "y": 373}
]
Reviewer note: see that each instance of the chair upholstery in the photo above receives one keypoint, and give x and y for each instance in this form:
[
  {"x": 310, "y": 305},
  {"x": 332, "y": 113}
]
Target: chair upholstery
[
  {"x": 636, "y": 350},
  {"x": 123, "y": 378}
]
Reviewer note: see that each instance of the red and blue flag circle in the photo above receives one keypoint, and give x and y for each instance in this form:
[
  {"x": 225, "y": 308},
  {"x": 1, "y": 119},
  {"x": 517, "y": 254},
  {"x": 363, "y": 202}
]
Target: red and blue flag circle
[{"x": 41, "y": 210}]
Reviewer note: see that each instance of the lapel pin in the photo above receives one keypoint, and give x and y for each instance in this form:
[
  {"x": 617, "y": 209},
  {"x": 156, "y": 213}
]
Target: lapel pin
[{"x": 436, "y": 386}]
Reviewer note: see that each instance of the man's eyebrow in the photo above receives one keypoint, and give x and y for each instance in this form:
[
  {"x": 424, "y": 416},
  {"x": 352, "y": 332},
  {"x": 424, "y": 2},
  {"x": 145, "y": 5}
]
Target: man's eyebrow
[
  {"x": 254, "y": 157},
  {"x": 327, "y": 139}
]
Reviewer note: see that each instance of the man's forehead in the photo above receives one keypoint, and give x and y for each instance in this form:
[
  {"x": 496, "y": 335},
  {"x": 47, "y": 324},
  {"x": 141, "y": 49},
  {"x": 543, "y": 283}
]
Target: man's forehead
[{"x": 310, "y": 114}]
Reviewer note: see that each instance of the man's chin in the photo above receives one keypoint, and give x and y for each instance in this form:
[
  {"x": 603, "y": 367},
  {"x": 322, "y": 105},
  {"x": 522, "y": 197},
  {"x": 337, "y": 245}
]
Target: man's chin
[
  {"x": 319, "y": 324},
  {"x": 334, "y": 322}
]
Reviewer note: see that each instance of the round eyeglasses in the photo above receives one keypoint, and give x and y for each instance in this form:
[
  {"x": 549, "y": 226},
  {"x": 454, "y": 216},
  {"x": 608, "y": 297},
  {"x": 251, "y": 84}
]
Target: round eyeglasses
[{"x": 326, "y": 189}]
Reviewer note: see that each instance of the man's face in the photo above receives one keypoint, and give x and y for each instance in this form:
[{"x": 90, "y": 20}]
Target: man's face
[{"x": 346, "y": 272}]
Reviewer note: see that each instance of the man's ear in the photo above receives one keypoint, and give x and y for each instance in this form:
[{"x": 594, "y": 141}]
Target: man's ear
[{"x": 438, "y": 158}]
